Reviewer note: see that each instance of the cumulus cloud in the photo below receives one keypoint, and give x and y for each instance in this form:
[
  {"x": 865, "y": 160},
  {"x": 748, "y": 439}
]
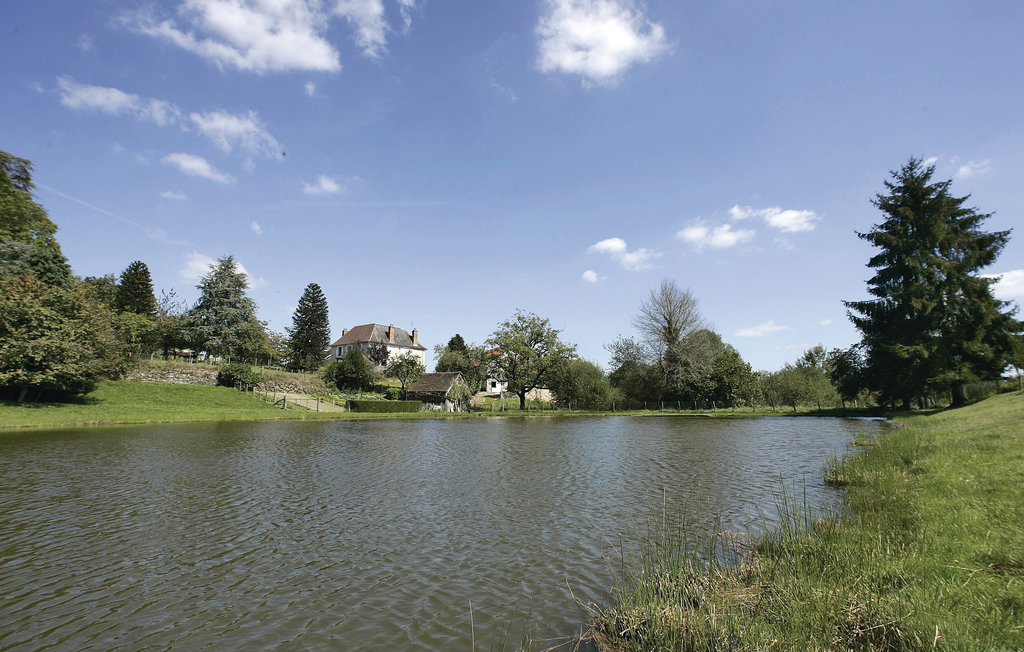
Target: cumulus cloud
[
  {"x": 973, "y": 169},
  {"x": 1009, "y": 286},
  {"x": 176, "y": 195},
  {"x": 244, "y": 131},
  {"x": 256, "y": 228},
  {"x": 785, "y": 220},
  {"x": 270, "y": 35},
  {"x": 766, "y": 328},
  {"x": 84, "y": 97},
  {"x": 324, "y": 185},
  {"x": 196, "y": 166},
  {"x": 198, "y": 265},
  {"x": 590, "y": 276},
  {"x": 718, "y": 237},
  {"x": 596, "y": 39},
  {"x": 636, "y": 260},
  {"x": 251, "y": 35}
]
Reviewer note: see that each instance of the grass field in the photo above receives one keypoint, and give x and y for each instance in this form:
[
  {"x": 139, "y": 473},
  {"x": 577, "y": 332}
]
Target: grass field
[
  {"x": 930, "y": 555},
  {"x": 140, "y": 402}
]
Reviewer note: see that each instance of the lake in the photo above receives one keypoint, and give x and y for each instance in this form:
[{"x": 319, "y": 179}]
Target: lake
[{"x": 384, "y": 535}]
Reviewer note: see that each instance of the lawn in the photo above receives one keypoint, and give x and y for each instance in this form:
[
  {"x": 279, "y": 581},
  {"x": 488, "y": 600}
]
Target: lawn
[{"x": 141, "y": 402}]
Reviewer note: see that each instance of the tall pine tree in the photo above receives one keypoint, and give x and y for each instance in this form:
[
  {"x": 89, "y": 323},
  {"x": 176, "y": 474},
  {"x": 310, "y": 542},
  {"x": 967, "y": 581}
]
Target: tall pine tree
[
  {"x": 933, "y": 324},
  {"x": 310, "y": 334},
  {"x": 135, "y": 290}
]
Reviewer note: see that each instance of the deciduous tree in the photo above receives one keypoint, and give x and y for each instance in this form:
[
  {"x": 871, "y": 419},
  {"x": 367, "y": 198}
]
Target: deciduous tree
[
  {"x": 527, "y": 351},
  {"x": 405, "y": 369}
]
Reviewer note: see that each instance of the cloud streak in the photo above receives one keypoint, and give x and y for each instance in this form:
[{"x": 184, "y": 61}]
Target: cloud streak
[
  {"x": 112, "y": 101},
  {"x": 616, "y": 248},
  {"x": 766, "y": 328},
  {"x": 196, "y": 166}
]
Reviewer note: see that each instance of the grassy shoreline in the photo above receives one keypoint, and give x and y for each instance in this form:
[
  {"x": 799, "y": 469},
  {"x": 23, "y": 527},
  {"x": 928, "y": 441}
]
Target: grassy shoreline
[
  {"x": 124, "y": 402},
  {"x": 929, "y": 554}
]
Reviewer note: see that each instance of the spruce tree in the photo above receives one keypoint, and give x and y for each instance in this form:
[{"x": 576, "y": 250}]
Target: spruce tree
[
  {"x": 310, "y": 334},
  {"x": 135, "y": 290},
  {"x": 933, "y": 324}
]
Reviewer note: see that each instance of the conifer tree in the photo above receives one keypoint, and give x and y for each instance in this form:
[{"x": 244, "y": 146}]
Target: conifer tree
[
  {"x": 223, "y": 322},
  {"x": 933, "y": 324},
  {"x": 135, "y": 290},
  {"x": 310, "y": 334}
]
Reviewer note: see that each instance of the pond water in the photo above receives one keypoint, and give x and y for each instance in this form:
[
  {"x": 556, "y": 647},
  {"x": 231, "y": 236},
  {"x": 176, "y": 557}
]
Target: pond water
[{"x": 386, "y": 535}]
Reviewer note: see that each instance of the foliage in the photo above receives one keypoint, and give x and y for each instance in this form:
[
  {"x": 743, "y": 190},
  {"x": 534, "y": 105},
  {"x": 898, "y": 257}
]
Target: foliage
[
  {"x": 170, "y": 316},
  {"x": 378, "y": 353},
  {"x": 102, "y": 290},
  {"x": 933, "y": 324},
  {"x": 236, "y": 374},
  {"x": 470, "y": 361},
  {"x": 135, "y": 291},
  {"x": 386, "y": 407},
  {"x": 28, "y": 242},
  {"x": 353, "y": 372},
  {"x": 310, "y": 334},
  {"x": 405, "y": 369},
  {"x": 527, "y": 353},
  {"x": 224, "y": 322},
  {"x": 137, "y": 333},
  {"x": 53, "y": 340},
  {"x": 581, "y": 385},
  {"x": 666, "y": 317},
  {"x": 846, "y": 371}
]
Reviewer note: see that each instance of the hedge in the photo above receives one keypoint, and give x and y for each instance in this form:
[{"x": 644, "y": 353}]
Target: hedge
[{"x": 384, "y": 406}]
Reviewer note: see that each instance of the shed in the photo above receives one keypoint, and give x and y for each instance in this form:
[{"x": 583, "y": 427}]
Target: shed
[{"x": 443, "y": 391}]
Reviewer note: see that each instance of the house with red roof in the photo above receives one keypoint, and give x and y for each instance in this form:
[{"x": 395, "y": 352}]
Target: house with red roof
[{"x": 398, "y": 341}]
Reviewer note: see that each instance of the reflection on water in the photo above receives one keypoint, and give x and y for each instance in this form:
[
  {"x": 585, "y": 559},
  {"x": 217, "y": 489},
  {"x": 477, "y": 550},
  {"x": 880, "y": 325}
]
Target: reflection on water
[{"x": 352, "y": 535}]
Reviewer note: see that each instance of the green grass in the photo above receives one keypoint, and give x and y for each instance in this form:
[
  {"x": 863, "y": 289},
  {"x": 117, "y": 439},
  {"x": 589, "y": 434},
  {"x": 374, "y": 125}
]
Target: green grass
[
  {"x": 138, "y": 402},
  {"x": 930, "y": 555}
]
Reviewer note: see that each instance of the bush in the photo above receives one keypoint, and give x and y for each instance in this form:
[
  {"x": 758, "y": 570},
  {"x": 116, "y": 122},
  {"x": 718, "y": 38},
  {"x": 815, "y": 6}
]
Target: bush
[
  {"x": 353, "y": 372},
  {"x": 234, "y": 374},
  {"x": 384, "y": 406},
  {"x": 393, "y": 393}
]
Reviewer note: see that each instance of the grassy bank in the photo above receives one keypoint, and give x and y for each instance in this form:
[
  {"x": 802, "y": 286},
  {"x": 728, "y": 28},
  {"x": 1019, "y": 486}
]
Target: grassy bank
[
  {"x": 141, "y": 402},
  {"x": 930, "y": 555}
]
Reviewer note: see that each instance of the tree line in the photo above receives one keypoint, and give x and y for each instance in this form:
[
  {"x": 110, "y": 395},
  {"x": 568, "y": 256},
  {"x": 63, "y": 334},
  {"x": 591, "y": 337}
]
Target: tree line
[{"x": 931, "y": 327}]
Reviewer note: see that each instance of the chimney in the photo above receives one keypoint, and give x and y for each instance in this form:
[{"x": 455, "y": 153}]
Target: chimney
[
  {"x": 344, "y": 332},
  {"x": 415, "y": 337},
  {"x": 391, "y": 333}
]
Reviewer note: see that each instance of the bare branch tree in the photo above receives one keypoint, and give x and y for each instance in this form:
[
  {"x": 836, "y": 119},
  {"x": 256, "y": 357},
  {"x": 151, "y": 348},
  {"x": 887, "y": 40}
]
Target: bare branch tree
[{"x": 668, "y": 316}]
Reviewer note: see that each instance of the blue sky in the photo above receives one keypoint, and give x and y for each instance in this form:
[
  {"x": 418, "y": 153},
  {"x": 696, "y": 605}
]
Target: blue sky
[{"x": 437, "y": 164}]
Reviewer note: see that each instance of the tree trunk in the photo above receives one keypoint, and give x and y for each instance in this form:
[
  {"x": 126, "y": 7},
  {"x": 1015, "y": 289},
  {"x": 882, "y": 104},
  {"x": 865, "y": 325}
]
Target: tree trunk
[
  {"x": 522, "y": 401},
  {"x": 958, "y": 394}
]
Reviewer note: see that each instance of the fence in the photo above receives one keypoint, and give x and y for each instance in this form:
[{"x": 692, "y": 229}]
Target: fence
[{"x": 284, "y": 401}]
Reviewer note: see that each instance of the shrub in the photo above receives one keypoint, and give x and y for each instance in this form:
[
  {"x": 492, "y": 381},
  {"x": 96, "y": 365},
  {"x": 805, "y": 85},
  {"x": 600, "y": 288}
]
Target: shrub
[
  {"x": 384, "y": 406},
  {"x": 234, "y": 374},
  {"x": 353, "y": 372},
  {"x": 393, "y": 393}
]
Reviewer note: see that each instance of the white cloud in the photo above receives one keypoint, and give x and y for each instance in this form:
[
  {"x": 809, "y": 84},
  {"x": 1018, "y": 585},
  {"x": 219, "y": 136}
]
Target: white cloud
[
  {"x": 931, "y": 160},
  {"x": 597, "y": 39},
  {"x": 176, "y": 195},
  {"x": 785, "y": 220},
  {"x": 84, "y": 97},
  {"x": 324, "y": 185},
  {"x": 719, "y": 237},
  {"x": 1010, "y": 286},
  {"x": 310, "y": 89},
  {"x": 251, "y": 35},
  {"x": 973, "y": 169},
  {"x": 256, "y": 228},
  {"x": 367, "y": 17},
  {"x": 196, "y": 166},
  {"x": 228, "y": 130},
  {"x": 635, "y": 260},
  {"x": 198, "y": 265},
  {"x": 767, "y": 328},
  {"x": 825, "y": 322},
  {"x": 590, "y": 276},
  {"x": 85, "y": 43}
]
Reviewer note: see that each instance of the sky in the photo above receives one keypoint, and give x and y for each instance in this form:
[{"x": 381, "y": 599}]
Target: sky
[{"x": 439, "y": 164}]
